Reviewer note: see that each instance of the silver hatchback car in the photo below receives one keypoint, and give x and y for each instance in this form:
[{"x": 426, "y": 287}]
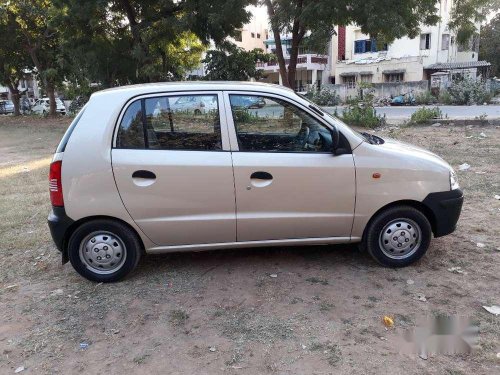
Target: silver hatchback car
[{"x": 135, "y": 173}]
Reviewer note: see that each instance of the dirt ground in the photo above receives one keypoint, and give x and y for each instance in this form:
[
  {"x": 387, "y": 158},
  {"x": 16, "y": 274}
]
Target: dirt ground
[{"x": 302, "y": 310}]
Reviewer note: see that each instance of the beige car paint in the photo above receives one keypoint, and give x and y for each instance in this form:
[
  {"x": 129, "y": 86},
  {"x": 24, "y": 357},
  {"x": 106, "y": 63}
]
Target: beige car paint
[{"x": 90, "y": 188}]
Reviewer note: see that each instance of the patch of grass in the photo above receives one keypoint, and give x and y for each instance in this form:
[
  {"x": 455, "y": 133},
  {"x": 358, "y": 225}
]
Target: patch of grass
[
  {"x": 317, "y": 280},
  {"x": 325, "y": 306},
  {"x": 424, "y": 115},
  {"x": 178, "y": 317},
  {"x": 139, "y": 360}
]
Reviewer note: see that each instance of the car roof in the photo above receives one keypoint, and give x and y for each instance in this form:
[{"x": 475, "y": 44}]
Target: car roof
[{"x": 147, "y": 88}]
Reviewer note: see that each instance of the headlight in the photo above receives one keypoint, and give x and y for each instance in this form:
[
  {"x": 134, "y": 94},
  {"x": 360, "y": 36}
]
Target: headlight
[{"x": 453, "y": 180}]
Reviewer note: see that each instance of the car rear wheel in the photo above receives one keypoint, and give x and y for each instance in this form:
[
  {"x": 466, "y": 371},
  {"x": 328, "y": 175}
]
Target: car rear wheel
[
  {"x": 104, "y": 250},
  {"x": 398, "y": 236}
]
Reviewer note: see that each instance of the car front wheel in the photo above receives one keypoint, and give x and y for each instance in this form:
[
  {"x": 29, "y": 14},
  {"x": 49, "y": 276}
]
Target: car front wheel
[
  {"x": 398, "y": 236},
  {"x": 104, "y": 250}
]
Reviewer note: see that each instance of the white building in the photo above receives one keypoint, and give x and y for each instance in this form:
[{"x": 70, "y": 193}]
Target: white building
[
  {"x": 356, "y": 57},
  {"x": 27, "y": 86}
]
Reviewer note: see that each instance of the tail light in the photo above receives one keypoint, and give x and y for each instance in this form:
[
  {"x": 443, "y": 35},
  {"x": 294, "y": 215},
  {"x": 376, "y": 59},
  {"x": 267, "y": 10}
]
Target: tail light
[{"x": 55, "y": 184}]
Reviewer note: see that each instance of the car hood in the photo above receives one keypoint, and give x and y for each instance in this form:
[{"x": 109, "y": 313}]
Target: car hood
[{"x": 409, "y": 149}]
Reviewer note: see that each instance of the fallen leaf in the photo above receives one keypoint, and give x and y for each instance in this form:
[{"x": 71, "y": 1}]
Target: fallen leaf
[
  {"x": 19, "y": 369},
  {"x": 212, "y": 349},
  {"x": 388, "y": 321},
  {"x": 495, "y": 310},
  {"x": 457, "y": 270},
  {"x": 480, "y": 245},
  {"x": 273, "y": 275}
]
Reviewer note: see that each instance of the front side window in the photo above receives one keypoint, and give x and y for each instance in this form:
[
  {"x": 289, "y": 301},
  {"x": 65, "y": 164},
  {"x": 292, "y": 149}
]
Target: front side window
[
  {"x": 182, "y": 122},
  {"x": 273, "y": 125}
]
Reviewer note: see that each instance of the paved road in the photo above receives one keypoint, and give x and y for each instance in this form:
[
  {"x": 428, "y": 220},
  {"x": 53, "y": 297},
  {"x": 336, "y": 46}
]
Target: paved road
[{"x": 453, "y": 112}]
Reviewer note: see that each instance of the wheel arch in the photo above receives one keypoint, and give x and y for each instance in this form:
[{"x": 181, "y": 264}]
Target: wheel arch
[
  {"x": 411, "y": 203},
  {"x": 71, "y": 229}
]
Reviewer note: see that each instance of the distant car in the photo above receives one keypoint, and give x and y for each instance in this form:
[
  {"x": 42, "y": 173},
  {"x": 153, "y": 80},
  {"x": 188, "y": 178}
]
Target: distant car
[
  {"x": 42, "y": 106},
  {"x": 6, "y": 107},
  {"x": 195, "y": 104},
  {"x": 248, "y": 102}
]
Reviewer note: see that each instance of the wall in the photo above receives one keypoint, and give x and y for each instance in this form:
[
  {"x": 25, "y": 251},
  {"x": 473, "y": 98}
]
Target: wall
[{"x": 382, "y": 90}]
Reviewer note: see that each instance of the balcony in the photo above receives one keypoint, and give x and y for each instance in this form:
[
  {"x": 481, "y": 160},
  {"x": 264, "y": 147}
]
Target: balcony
[{"x": 306, "y": 61}]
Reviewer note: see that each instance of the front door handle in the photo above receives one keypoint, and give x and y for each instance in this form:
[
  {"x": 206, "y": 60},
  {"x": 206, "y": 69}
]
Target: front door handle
[
  {"x": 261, "y": 176},
  {"x": 144, "y": 174}
]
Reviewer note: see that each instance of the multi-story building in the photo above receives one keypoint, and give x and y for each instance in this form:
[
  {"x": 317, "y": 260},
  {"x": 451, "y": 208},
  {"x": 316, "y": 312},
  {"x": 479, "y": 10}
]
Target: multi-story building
[
  {"x": 357, "y": 57},
  {"x": 312, "y": 66}
]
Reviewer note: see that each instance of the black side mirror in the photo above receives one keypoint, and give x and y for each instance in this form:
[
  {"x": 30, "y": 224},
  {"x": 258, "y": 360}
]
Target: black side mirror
[{"x": 335, "y": 140}]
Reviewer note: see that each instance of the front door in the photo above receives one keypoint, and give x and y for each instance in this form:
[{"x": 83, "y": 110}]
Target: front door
[
  {"x": 174, "y": 172},
  {"x": 288, "y": 183}
]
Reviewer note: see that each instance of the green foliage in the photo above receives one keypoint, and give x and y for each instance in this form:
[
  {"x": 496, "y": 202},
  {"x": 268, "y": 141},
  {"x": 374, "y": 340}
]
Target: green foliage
[
  {"x": 425, "y": 98},
  {"x": 324, "y": 97},
  {"x": 360, "y": 110},
  {"x": 468, "y": 91},
  {"x": 231, "y": 63},
  {"x": 489, "y": 45},
  {"x": 445, "y": 97},
  {"x": 424, "y": 115}
]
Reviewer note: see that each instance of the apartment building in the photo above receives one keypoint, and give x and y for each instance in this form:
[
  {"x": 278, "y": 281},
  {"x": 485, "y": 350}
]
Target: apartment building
[{"x": 357, "y": 57}]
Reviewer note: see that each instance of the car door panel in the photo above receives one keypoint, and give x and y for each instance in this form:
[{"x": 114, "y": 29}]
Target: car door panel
[
  {"x": 299, "y": 194},
  {"x": 180, "y": 191},
  {"x": 310, "y": 196}
]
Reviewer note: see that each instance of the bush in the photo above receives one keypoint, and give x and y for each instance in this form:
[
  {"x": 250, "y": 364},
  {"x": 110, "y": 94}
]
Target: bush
[
  {"x": 324, "y": 97},
  {"x": 445, "y": 97},
  {"x": 362, "y": 115},
  {"x": 468, "y": 91},
  {"x": 425, "y": 98},
  {"x": 423, "y": 115}
]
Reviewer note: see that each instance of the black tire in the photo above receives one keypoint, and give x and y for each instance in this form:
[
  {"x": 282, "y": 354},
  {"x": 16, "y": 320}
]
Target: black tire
[
  {"x": 374, "y": 240},
  {"x": 130, "y": 241}
]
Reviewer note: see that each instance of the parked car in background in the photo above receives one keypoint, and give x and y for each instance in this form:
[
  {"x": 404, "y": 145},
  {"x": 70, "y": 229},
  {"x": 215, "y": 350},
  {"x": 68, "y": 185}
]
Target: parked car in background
[
  {"x": 131, "y": 177},
  {"x": 6, "y": 107},
  {"x": 42, "y": 106},
  {"x": 193, "y": 104}
]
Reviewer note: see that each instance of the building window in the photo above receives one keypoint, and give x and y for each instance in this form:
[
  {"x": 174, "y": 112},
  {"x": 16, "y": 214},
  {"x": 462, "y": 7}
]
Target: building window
[
  {"x": 367, "y": 45},
  {"x": 252, "y": 35},
  {"x": 258, "y": 36},
  {"x": 367, "y": 78},
  {"x": 349, "y": 81},
  {"x": 238, "y": 37},
  {"x": 425, "y": 41},
  {"x": 445, "y": 42},
  {"x": 394, "y": 77}
]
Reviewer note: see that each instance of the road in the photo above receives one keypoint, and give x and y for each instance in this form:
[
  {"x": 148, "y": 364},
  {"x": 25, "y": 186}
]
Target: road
[{"x": 453, "y": 112}]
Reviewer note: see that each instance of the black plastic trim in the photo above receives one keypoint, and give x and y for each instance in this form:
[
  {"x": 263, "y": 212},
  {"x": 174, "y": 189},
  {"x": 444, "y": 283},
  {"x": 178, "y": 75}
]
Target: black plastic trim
[
  {"x": 446, "y": 207},
  {"x": 59, "y": 223}
]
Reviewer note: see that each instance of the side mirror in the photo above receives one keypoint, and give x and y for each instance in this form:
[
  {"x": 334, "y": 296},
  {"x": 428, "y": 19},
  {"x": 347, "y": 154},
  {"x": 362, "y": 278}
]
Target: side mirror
[{"x": 335, "y": 140}]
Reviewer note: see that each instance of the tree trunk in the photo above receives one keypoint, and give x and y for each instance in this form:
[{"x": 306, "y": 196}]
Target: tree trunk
[
  {"x": 279, "y": 47},
  {"x": 14, "y": 91},
  {"x": 52, "y": 98}
]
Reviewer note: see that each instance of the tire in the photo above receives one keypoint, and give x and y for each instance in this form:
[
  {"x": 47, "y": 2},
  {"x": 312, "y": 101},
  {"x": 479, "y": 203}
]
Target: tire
[
  {"x": 116, "y": 253},
  {"x": 398, "y": 236}
]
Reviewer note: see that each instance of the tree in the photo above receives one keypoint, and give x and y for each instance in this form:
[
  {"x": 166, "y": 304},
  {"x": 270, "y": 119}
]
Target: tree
[
  {"x": 489, "y": 46},
  {"x": 13, "y": 62},
  {"x": 313, "y": 22},
  {"x": 40, "y": 40},
  {"x": 231, "y": 63}
]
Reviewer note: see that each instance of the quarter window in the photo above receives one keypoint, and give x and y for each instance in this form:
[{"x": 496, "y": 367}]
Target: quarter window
[
  {"x": 273, "y": 125},
  {"x": 185, "y": 122}
]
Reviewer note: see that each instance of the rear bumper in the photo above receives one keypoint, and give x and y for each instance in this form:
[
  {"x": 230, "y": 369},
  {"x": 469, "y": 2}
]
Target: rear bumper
[
  {"x": 446, "y": 207},
  {"x": 59, "y": 223}
]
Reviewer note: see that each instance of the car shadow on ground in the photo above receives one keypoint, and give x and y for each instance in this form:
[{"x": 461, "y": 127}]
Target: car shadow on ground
[{"x": 268, "y": 258}]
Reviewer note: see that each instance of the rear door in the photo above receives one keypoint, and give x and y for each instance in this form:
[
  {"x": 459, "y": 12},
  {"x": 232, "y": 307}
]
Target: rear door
[
  {"x": 173, "y": 169},
  {"x": 288, "y": 183}
]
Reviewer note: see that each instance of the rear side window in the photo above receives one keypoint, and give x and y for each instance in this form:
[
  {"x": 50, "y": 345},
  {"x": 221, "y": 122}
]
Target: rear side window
[
  {"x": 131, "y": 133},
  {"x": 64, "y": 141},
  {"x": 185, "y": 122}
]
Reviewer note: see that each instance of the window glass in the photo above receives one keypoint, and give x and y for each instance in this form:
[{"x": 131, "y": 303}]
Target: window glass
[
  {"x": 273, "y": 125},
  {"x": 187, "y": 122},
  {"x": 131, "y": 132}
]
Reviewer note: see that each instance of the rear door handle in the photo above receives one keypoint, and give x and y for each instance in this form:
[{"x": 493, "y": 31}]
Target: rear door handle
[
  {"x": 144, "y": 174},
  {"x": 261, "y": 176}
]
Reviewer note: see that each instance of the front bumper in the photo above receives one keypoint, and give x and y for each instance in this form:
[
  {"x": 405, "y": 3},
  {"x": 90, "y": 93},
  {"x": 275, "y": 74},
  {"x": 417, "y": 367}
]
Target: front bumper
[
  {"x": 59, "y": 223},
  {"x": 446, "y": 207}
]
